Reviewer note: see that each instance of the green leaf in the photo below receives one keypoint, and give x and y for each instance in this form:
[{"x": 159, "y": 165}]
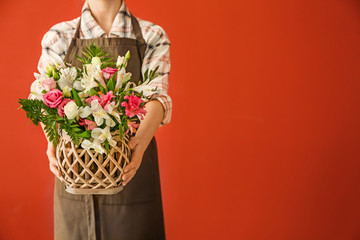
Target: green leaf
[
  {"x": 146, "y": 74},
  {"x": 76, "y": 97},
  {"x": 106, "y": 146},
  {"x": 92, "y": 92},
  {"x": 121, "y": 132},
  {"x": 85, "y": 134},
  {"x": 111, "y": 83},
  {"x": 103, "y": 90}
]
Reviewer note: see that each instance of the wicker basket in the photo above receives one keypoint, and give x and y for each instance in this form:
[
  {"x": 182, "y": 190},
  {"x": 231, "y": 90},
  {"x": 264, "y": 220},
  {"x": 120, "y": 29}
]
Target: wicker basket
[{"x": 88, "y": 172}]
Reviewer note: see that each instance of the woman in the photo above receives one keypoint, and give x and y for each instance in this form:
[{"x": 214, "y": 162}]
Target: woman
[{"x": 135, "y": 212}]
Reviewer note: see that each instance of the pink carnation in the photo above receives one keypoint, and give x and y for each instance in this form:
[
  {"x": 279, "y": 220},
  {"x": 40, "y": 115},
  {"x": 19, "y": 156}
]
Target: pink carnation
[
  {"x": 62, "y": 105},
  {"x": 106, "y": 98},
  {"x": 52, "y": 98},
  {"x": 132, "y": 107}
]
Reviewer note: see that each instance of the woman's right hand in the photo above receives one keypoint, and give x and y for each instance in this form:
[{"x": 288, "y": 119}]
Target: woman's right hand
[{"x": 51, "y": 153}]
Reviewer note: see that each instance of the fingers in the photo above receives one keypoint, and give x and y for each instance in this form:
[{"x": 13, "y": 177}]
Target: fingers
[
  {"x": 133, "y": 166},
  {"x": 133, "y": 142},
  {"x": 130, "y": 170},
  {"x": 54, "y": 169},
  {"x": 53, "y": 164},
  {"x": 128, "y": 176}
]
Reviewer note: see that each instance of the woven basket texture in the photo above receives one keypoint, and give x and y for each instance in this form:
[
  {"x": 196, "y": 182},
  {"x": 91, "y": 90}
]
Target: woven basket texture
[{"x": 85, "y": 171}]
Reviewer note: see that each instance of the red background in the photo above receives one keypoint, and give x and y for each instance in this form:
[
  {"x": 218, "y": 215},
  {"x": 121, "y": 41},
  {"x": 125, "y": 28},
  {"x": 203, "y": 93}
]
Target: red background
[{"x": 264, "y": 137}]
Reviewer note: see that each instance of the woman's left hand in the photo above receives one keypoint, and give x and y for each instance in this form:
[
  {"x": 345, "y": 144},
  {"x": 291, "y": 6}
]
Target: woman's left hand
[
  {"x": 142, "y": 138},
  {"x": 137, "y": 152}
]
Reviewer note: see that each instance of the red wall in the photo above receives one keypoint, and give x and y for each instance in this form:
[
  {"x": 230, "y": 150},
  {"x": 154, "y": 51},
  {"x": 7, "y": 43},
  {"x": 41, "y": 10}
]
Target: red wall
[{"x": 264, "y": 137}]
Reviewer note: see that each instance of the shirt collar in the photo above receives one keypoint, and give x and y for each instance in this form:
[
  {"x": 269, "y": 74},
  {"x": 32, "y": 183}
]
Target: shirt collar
[{"x": 91, "y": 29}]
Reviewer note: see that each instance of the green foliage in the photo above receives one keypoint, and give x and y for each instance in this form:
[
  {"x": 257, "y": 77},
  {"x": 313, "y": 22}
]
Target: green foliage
[
  {"x": 106, "y": 146},
  {"x": 102, "y": 89},
  {"x": 150, "y": 75},
  {"x": 76, "y": 97},
  {"x": 95, "y": 51},
  {"x": 111, "y": 83},
  {"x": 92, "y": 92},
  {"x": 33, "y": 109},
  {"x": 37, "y": 111},
  {"x": 72, "y": 128}
]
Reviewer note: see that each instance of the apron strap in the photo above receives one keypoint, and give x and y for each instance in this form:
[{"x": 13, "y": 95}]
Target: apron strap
[
  {"x": 77, "y": 33},
  {"x": 141, "y": 44},
  {"x": 139, "y": 37}
]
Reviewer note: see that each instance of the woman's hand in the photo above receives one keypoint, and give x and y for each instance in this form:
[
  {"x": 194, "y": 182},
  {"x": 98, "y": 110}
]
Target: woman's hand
[
  {"x": 143, "y": 136},
  {"x": 51, "y": 153},
  {"x": 138, "y": 148}
]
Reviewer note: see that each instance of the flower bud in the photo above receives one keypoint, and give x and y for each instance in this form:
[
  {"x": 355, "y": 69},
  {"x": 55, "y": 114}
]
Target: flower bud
[{"x": 66, "y": 91}]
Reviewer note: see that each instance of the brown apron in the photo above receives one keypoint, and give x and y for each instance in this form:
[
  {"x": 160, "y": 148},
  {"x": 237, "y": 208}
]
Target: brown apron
[{"x": 134, "y": 213}]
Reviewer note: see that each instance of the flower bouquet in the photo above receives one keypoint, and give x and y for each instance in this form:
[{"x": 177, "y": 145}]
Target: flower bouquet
[{"x": 89, "y": 114}]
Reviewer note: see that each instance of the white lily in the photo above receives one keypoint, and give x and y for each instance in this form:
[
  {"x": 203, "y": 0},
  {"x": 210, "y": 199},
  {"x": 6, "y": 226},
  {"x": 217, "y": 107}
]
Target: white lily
[
  {"x": 111, "y": 109},
  {"x": 77, "y": 85},
  {"x": 120, "y": 60},
  {"x": 102, "y": 135},
  {"x": 67, "y": 77},
  {"x": 83, "y": 94},
  {"x": 96, "y": 62},
  {"x": 84, "y": 112},
  {"x": 36, "y": 89},
  {"x": 100, "y": 114},
  {"x": 94, "y": 69},
  {"x": 145, "y": 87},
  {"x": 66, "y": 91},
  {"x": 95, "y": 144},
  {"x": 122, "y": 76},
  {"x": 87, "y": 81}
]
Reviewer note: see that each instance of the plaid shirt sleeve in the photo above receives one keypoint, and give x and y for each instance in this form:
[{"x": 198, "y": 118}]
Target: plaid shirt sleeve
[
  {"x": 52, "y": 50},
  {"x": 158, "y": 54}
]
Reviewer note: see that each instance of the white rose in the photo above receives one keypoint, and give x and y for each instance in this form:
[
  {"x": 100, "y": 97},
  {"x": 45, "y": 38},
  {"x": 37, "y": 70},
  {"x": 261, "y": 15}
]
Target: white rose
[{"x": 71, "y": 110}]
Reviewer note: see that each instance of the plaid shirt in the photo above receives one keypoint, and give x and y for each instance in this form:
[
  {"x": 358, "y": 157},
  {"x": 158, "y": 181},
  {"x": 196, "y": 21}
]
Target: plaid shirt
[{"x": 57, "y": 40}]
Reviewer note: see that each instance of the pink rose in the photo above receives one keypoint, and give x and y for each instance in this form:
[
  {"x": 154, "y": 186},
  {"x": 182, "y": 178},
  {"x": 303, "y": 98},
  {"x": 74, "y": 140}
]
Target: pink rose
[
  {"x": 62, "y": 105},
  {"x": 49, "y": 84},
  {"x": 106, "y": 98},
  {"x": 52, "y": 98},
  {"x": 108, "y": 72},
  {"x": 132, "y": 107},
  {"x": 90, "y": 99}
]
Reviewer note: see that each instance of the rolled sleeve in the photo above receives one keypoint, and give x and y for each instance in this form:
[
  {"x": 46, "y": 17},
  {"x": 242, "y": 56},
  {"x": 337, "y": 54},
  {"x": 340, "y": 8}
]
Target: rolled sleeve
[{"x": 158, "y": 54}]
